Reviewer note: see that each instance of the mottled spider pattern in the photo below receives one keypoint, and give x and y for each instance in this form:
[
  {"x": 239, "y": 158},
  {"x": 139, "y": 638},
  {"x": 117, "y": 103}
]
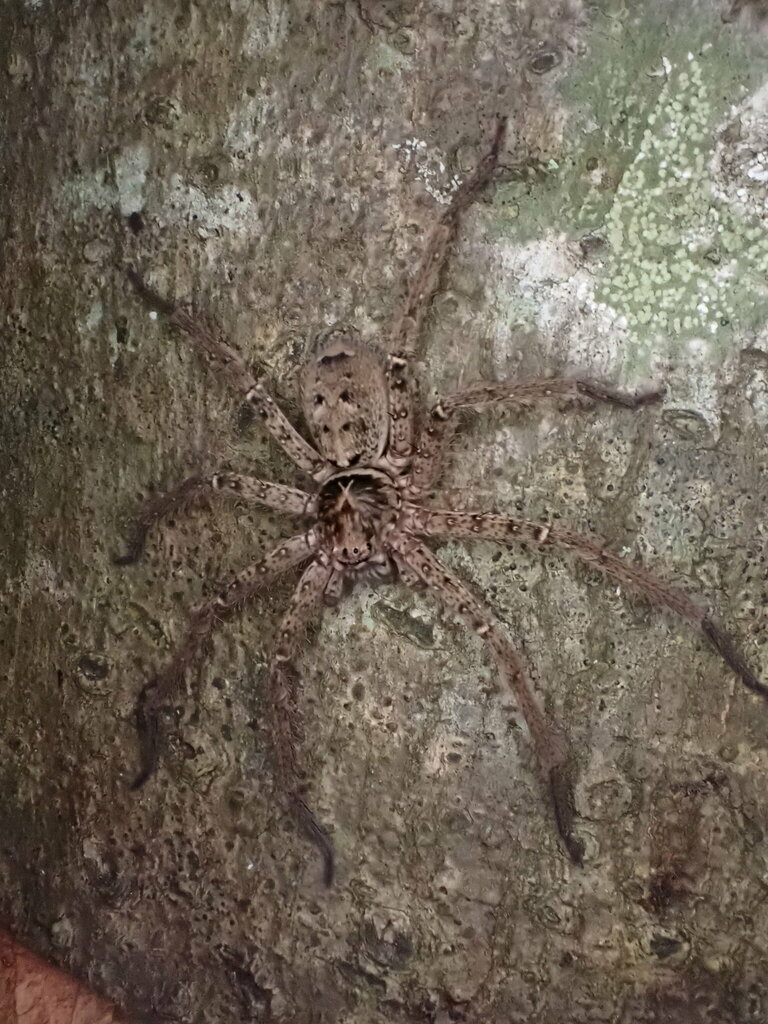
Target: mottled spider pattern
[{"x": 374, "y": 463}]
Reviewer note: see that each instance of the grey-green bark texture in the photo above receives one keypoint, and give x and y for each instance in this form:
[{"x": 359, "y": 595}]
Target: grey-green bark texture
[{"x": 278, "y": 165}]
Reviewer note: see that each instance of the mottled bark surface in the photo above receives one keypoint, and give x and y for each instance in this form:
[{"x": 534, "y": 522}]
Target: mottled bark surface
[{"x": 279, "y": 165}]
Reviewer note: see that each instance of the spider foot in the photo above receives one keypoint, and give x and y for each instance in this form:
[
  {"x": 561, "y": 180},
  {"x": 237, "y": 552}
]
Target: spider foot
[
  {"x": 149, "y": 733},
  {"x": 561, "y": 788},
  {"x": 651, "y": 395},
  {"x": 134, "y": 548},
  {"x": 148, "y": 295},
  {"x": 594, "y": 390},
  {"x": 316, "y": 834},
  {"x": 732, "y": 656}
]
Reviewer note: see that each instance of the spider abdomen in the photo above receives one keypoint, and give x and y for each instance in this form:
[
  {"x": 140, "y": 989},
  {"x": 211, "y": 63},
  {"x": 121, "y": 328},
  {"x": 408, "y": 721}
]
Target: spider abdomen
[{"x": 344, "y": 397}]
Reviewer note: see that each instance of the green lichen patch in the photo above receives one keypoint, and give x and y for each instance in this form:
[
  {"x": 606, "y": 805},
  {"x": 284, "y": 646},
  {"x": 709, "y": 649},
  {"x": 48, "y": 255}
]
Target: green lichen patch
[
  {"x": 648, "y": 171},
  {"x": 682, "y": 260}
]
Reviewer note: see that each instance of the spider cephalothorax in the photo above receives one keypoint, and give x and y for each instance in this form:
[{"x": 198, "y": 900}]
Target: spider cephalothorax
[
  {"x": 373, "y": 472},
  {"x": 356, "y": 508}
]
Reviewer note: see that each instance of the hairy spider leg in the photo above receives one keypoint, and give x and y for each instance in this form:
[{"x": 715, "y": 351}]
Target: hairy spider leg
[
  {"x": 306, "y": 605},
  {"x": 163, "y": 689},
  {"x": 419, "y": 295},
  {"x": 440, "y": 424},
  {"x": 551, "y": 750},
  {"x": 593, "y": 552},
  {"x": 233, "y": 364},
  {"x": 426, "y": 280},
  {"x": 195, "y": 488}
]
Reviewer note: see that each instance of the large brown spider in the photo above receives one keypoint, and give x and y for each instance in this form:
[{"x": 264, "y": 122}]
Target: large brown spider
[{"x": 374, "y": 468}]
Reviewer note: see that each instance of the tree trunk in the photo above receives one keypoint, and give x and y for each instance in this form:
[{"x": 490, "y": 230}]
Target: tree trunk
[{"x": 278, "y": 165}]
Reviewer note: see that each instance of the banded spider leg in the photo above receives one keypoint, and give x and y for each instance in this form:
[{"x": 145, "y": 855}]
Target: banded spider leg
[
  {"x": 509, "y": 530},
  {"x": 420, "y": 292},
  {"x": 195, "y": 488},
  {"x": 162, "y": 690},
  {"x": 441, "y": 420},
  {"x": 416, "y": 561},
  {"x": 286, "y": 733},
  {"x": 232, "y": 363}
]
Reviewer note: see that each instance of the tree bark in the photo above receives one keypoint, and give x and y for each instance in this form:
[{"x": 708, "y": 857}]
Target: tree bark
[{"x": 277, "y": 166}]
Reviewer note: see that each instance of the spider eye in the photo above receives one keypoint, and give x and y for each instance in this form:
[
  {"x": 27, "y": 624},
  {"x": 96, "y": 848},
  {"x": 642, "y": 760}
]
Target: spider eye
[
  {"x": 346, "y": 427},
  {"x": 319, "y": 399},
  {"x": 345, "y": 396},
  {"x": 326, "y": 430}
]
